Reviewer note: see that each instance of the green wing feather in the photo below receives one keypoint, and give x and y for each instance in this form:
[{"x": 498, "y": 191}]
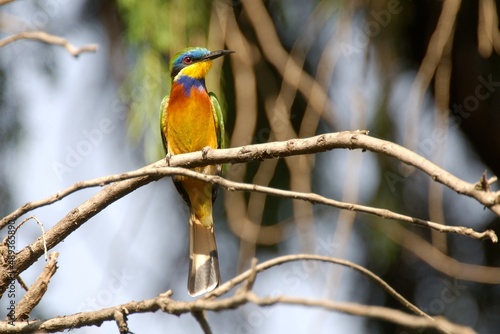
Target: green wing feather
[
  {"x": 219, "y": 121},
  {"x": 221, "y": 136},
  {"x": 163, "y": 121}
]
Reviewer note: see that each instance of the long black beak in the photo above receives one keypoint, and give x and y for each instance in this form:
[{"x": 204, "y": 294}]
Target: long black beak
[{"x": 216, "y": 54}]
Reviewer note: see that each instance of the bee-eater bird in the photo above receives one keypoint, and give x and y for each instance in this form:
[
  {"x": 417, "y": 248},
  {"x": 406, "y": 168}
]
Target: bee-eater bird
[{"x": 191, "y": 119}]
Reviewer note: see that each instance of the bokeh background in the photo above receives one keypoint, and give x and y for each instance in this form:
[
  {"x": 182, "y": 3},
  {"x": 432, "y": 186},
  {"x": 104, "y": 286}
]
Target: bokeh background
[{"x": 301, "y": 68}]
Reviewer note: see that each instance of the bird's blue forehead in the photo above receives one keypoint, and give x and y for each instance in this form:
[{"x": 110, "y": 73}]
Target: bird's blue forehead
[{"x": 195, "y": 53}]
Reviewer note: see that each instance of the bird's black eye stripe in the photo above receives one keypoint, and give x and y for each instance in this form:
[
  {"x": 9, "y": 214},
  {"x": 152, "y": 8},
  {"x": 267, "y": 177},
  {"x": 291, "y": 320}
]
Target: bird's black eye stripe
[{"x": 187, "y": 60}]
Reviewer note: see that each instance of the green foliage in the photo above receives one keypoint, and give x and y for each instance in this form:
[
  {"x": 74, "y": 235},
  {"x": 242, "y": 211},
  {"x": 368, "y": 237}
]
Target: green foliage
[
  {"x": 162, "y": 24},
  {"x": 143, "y": 91}
]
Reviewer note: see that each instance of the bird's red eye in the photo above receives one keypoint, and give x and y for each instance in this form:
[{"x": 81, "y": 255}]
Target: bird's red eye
[{"x": 187, "y": 60}]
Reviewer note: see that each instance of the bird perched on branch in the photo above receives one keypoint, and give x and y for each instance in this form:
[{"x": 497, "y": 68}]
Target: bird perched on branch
[{"x": 191, "y": 120}]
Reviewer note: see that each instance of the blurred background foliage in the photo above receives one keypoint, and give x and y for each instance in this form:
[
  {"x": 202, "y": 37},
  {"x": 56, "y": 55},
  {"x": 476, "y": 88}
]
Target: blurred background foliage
[{"x": 307, "y": 67}]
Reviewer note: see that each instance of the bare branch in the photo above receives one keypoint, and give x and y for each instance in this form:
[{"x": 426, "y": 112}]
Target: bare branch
[
  {"x": 322, "y": 143},
  {"x": 37, "y": 289},
  {"x": 251, "y": 278},
  {"x": 318, "y": 199},
  {"x": 310, "y": 197},
  {"x": 224, "y": 288},
  {"x": 50, "y": 39},
  {"x": 153, "y": 172},
  {"x": 120, "y": 316},
  {"x": 208, "y": 303},
  {"x": 202, "y": 320},
  {"x": 55, "y": 238}
]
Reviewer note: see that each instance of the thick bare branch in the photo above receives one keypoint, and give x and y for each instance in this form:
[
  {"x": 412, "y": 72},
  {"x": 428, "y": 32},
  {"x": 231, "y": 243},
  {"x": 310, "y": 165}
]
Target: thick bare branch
[{"x": 50, "y": 39}]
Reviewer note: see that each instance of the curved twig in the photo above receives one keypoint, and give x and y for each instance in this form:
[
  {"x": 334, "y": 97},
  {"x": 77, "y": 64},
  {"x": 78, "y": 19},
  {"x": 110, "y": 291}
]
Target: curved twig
[
  {"x": 224, "y": 288},
  {"x": 208, "y": 303}
]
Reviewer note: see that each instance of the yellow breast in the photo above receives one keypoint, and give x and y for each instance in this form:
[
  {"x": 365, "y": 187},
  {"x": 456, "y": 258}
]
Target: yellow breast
[{"x": 190, "y": 121}]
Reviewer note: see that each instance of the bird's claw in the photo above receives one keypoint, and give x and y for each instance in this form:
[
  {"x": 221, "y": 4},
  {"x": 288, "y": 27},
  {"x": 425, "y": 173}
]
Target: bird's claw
[
  {"x": 204, "y": 151},
  {"x": 167, "y": 158}
]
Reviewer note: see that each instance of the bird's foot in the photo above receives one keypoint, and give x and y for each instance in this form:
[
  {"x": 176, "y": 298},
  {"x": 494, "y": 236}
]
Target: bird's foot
[
  {"x": 167, "y": 158},
  {"x": 204, "y": 151}
]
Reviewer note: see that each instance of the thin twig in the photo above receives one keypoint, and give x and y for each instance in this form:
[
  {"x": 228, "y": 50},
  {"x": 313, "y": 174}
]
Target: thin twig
[
  {"x": 484, "y": 183},
  {"x": 251, "y": 278},
  {"x": 166, "y": 304},
  {"x": 50, "y": 39},
  {"x": 120, "y": 317},
  {"x": 43, "y": 232},
  {"x": 224, "y": 288},
  {"x": 310, "y": 197},
  {"x": 200, "y": 316},
  {"x": 21, "y": 283},
  {"x": 492, "y": 180}
]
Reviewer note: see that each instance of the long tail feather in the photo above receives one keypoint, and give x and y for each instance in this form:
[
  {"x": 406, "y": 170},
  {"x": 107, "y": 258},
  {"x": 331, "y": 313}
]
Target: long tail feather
[{"x": 204, "y": 273}]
